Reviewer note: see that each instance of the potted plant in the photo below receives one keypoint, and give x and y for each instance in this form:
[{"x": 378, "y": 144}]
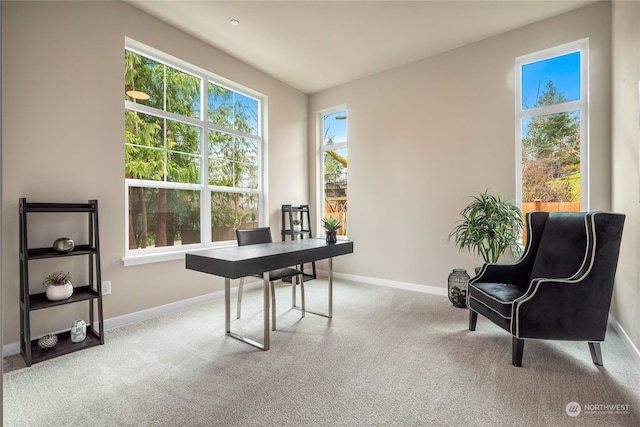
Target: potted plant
[
  {"x": 296, "y": 225},
  {"x": 58, "y": 286},
  {"x": 488, "y": 226},
  {"x": 331, "y": 225}
]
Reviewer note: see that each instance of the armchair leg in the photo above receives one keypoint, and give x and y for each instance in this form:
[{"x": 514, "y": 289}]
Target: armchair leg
[
  {"x": 517, "y": 347},
  {"x": 596, "y": 353},
  {"x": 473, "y": 318}
]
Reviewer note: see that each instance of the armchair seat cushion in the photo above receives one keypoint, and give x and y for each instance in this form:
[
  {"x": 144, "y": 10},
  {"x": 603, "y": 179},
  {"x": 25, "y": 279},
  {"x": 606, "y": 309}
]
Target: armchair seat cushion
[{"x": 498, "y": 296}]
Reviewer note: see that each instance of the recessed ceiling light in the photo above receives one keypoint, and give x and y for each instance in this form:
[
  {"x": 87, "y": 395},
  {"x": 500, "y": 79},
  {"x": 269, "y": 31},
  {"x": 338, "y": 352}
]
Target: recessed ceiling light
[
  {"x": 234, "y": 22},
  {"x": 136, "y": 94}
]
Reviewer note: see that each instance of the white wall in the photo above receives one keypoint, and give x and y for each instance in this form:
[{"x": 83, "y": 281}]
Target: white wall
[
  {"x": 626, "y": 172},
  {"x": 425, "y": 136},
  {"x": 63, "y": 109}
]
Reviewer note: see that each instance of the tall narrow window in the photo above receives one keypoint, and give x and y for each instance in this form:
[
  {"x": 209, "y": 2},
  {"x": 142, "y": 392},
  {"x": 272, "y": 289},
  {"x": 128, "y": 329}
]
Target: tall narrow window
[
  {"x": 551, "y": 123},
  {"x": 192, "y": 156},
  {"x": 333, "y": 152}
]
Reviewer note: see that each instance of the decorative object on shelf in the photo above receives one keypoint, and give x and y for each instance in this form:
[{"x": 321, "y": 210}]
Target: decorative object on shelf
[
  {"x": 331, "y": 225},
  {"x": 58, "y": 286},
  {"x": 458, "y": 282},
  {"x": 63, "y": 244},
  {"x": 48, "y": 341},
  {"x": 78, "y": 331},
  {"x": 296, "y": 225},
  {"x": 488, "y": 226}
]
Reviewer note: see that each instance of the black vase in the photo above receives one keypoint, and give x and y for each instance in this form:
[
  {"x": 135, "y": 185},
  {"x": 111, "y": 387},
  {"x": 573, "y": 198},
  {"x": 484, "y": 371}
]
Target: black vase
[{"x": 332, "y": 236}]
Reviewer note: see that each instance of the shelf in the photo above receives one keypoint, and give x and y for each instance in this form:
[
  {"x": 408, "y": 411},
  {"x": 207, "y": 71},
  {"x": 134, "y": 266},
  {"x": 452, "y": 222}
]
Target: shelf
[
  {"x": 289, "y": 213},
  {"x": 64, "y": 346},
  {"x": 81, "y": 293},
  {"x": 289, "y": 232},
  {"x": 60, "y": 207},
  {"x": 41, "y": 253},
  {"x": 88, "y": 294}
]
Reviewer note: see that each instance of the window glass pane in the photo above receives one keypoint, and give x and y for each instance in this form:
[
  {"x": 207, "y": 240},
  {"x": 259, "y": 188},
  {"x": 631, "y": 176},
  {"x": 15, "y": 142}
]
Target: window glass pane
[
  {"x": 230, "y": 211},
  {"x": 233, "y": 161},
  {"x": 232, "y": 110},
  {"x": 151, "y": 83},
  {"x": 143, "y": 129},
  {"x": 183, "y": 138},
  {"x": 144, "y": 163},
  {"x": 335, "y": 128},
  {"x": 158, "y": 217},
  {"x": 551, "y": 81},
  {"x": 144, "y": 80},
  {"x": 183, "y": 93},
  {"x": 551, "y": 159},
  {"x": 335, "y": 186}
]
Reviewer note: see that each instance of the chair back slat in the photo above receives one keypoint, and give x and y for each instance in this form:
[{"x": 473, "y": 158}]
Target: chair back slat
[{"x": 252, "y": 236}]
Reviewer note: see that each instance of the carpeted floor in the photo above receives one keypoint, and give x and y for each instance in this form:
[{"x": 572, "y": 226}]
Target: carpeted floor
[{"x": 388, "y": 357}]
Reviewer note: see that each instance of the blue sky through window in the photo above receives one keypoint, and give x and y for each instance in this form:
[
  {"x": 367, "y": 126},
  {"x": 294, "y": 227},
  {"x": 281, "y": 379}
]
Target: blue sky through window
[
  {"x": 563, "y": 71},
  {"x": 335, "y": 127}
]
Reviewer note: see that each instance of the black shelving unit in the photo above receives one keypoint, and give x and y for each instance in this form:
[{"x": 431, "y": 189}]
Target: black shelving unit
[
  {"x": 90, "y": 293},
  {"x": 303, "y": 214}
]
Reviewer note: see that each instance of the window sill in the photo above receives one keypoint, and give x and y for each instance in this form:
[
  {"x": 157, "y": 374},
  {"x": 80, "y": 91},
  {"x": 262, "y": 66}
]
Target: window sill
[{"x": 151, "y": 258}]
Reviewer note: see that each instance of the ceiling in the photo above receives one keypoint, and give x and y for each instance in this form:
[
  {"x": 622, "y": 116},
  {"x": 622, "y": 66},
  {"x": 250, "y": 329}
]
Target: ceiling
[{"x": 316, "y": 45}]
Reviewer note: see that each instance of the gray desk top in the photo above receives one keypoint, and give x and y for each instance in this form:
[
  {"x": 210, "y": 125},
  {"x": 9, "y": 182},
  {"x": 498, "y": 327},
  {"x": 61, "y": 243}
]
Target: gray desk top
[{"x": 240, "y": 261}]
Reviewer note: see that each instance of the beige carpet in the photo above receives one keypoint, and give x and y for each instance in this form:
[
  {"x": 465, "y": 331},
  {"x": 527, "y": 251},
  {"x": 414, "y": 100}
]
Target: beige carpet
[{"x": 387, "y": 358}]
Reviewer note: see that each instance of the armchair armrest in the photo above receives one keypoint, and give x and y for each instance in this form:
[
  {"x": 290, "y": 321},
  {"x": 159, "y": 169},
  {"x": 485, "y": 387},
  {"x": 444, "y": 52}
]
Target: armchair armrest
[
  {"x": 562, "y": 309},
  {"x": 517, "y": 273}
]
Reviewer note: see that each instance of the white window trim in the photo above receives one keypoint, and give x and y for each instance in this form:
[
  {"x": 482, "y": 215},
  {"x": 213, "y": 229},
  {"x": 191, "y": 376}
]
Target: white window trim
[
  {"x": 582, "y": 105},
  {"x": 171, "y": 253},
  {"x": 321, "y": 148}
]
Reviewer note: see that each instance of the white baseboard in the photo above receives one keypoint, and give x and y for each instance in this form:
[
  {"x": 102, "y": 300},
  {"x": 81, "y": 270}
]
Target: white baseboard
[
  {"x": 633, "y": 350},
  {"x": 114, "y": 322},
  {"x": 436, "y": 290}
]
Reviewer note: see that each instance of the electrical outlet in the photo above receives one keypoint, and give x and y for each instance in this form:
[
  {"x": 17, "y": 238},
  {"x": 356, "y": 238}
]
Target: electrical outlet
[{"x": 106, "y": 287}]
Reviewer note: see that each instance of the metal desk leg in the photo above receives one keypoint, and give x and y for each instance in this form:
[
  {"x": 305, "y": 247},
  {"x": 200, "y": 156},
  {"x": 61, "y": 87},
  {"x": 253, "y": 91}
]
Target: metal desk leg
[
  {"x": 266, "y": 303},
  {"x": 227, "y": 305},
  {"x": 330, "y": 287},
  {"x": 330, "y": 312},
  {"x": 227, "y": 314}
]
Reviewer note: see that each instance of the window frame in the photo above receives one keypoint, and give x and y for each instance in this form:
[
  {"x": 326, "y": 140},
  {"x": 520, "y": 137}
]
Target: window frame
[
  {"x": 167, "y": 253},
  {"x": 322, "y": 148},
  {"x": 581, "y": 106}
]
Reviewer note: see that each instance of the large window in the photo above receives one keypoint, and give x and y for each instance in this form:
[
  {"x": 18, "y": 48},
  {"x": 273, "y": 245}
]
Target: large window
[
  {"x": 192, "y": 156},
  {"x": 333, "y": 153},
  {"x": 552, "y": 123}
]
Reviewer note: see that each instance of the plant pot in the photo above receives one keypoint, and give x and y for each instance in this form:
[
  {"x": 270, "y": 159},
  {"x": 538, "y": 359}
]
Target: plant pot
[
  {"x": 332, "y": 236},
  {"x": 59, "y": 292},
  {"x": 297, "y": 227}
]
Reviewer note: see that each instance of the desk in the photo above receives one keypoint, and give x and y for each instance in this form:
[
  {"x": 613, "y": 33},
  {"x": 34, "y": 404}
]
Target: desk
[{"x": 240, "y": 261}]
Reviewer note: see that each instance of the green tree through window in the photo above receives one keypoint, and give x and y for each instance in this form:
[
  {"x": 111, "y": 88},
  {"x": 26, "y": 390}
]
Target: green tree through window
[
  {"x": 551, "y": 123},
  {"x": 174, "y": 186}
]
